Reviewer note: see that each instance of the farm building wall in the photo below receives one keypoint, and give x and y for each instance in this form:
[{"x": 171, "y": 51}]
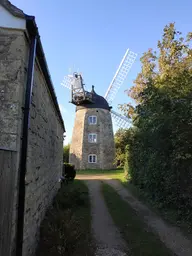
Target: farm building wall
[
  {"x": 44, "y": 161},
  {"x": 45, "y": 142},
  {"x": 104, "y": 148},
  {"x": 13, "y": 61}
]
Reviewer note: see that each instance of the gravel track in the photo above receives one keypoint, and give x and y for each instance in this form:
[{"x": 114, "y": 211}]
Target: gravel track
[
  {"x": 171, "y": 236},
  {"x": 106, "y": 234}
]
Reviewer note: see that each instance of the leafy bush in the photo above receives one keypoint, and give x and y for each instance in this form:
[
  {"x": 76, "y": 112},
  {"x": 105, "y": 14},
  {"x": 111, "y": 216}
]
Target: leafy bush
[
  {"x": 160, "y": 148},
  {"x": 121, "y": 140},
  {"x": 69, "y": 171},
  {"x": 66, "y": 149}
]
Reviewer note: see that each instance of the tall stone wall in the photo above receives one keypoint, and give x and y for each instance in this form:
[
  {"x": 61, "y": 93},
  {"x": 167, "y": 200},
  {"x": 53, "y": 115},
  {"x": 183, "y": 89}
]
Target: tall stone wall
[
  {"x": 81, "y": 148},
  {"x": 13, "y": 64},
  {"x": 75, "y": 156},
  {"x": 44, "y": 156}
]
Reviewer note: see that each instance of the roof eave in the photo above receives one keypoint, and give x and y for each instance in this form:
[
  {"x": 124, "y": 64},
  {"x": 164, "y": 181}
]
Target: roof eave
[
  {"x": 12, "y": 9},
  {"x": 32, "y": 27},
  {"x": 32, "y": 30}
]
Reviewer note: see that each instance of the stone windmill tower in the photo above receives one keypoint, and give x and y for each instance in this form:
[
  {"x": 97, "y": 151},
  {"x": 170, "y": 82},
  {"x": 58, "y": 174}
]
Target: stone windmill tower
[{"x": 92, "y": 145}]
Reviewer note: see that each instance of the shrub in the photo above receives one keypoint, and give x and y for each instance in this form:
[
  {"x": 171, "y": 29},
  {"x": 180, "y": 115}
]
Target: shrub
[
  {"x": 66, "y": 149},
  {"x": 160, "y": 159},
  {"x": 69, "y": 171}
]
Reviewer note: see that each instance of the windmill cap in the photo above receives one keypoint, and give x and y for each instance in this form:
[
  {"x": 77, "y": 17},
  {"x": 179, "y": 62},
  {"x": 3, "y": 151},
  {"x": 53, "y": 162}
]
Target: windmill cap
[{"x": 98, "y": 102}]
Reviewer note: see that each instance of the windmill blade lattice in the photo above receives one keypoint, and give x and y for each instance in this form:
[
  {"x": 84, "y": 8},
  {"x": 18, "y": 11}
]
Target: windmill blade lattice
[
  {"x": 67, "y": 81},
  {"x": 120, "y": 75},
  {"x": 120, "y": 120}
]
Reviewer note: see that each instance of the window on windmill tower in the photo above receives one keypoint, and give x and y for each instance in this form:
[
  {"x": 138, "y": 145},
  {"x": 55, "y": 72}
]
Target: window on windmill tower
[
  {"x": 92, "y": 158},
  {"x": 92, "y": 137},
  {"x": 92, "y": 120}
]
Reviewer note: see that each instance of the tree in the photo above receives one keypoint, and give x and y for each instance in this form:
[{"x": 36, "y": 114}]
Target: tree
[
  {"x": 66, "y": 153},
  {"x": 121, "y": 140},
  {"x": 160, "y": 151}
]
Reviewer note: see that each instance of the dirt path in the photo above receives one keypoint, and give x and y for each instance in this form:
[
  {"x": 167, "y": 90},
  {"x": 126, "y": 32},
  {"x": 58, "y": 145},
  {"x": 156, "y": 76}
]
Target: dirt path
[
  {"x": 107, "y": 236},
  {"x": 171, "y": 236}
]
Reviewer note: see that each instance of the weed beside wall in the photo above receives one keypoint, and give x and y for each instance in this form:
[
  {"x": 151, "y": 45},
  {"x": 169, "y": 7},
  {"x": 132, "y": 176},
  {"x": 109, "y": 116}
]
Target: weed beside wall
[{"x": 67, "y": 224}]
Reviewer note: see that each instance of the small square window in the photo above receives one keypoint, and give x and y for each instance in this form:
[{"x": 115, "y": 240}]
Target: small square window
[
  {"x": 92, "y": 158},
  {"x": 92, "y": 138},
  {"x": 92, "y": 120}
]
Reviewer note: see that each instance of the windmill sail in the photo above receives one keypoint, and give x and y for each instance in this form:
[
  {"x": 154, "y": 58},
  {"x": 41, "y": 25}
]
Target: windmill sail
[
  {"x": 67, "y": 80},
  {"x": 78, "y": 92},
  {"x": 79, "y": 95},
  {"x": 120, "y": 120},
  {"x": 120, "y": 75}
]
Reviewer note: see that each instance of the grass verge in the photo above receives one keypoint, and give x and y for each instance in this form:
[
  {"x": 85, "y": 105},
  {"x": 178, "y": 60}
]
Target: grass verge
[
  {"x": 66, "y": 229},
  {"x": 170, "y": 215},
  {"x": 100, "y": 172},
  {"x": 140, "y": 239}
]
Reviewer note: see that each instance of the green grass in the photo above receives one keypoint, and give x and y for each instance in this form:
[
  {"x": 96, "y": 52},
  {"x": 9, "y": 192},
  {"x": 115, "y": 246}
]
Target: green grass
[
  {"x": 140, "y": 239},
  {"x": 171, "y": 216},
  {"x": 117, "y": 174},
  {"x": 98, "y": 171},
  {"x": 66, "y": 229}
]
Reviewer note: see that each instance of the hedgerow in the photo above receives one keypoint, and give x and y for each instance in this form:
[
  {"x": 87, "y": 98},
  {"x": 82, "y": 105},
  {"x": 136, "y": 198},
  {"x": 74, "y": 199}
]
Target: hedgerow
[{"x": 160, "y": 144}]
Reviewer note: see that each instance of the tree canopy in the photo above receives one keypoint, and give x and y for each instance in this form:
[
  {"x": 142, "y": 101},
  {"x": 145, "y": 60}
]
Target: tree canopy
[
  {"x": 122, "y": 137},
  {"x": 66, "y": 149},
  {"x": 160, "y": 148}
]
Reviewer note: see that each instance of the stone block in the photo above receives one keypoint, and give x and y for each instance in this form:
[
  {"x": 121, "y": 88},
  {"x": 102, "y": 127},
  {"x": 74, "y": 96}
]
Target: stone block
[
  {"x": 13, "y": 45},
  {"x": 8, "y": 141}
]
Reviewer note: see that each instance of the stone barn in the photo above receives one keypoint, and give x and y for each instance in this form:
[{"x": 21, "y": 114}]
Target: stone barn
[{"x": 31, "y": 133}]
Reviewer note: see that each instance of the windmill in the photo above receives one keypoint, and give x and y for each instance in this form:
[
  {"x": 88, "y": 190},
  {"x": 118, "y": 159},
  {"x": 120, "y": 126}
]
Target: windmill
[{"x": 92, "y": 145}]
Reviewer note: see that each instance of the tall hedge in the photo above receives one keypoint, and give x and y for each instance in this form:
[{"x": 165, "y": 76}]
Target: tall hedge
[{"x": 160, "y": 148}]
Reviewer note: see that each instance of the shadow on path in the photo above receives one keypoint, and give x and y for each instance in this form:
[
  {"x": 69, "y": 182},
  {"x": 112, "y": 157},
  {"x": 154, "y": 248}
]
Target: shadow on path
[
  {"x": 171, "y": 236},
  {"x": 106, "y": 234}
]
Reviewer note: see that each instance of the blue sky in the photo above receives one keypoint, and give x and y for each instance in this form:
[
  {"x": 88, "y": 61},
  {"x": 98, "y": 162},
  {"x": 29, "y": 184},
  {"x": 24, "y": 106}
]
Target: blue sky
[{"x": 93, "y": 35}]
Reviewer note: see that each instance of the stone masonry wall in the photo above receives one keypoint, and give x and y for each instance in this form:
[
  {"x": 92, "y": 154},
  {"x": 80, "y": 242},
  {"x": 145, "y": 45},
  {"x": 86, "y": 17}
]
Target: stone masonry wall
[
  {"x": 104, "y": 148},
  {"x": 45, "y": 157},
  {"x": 45, "y": 148},
  {"x": 13, "y": 63},
  {"x": 75, "y": 156}
]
